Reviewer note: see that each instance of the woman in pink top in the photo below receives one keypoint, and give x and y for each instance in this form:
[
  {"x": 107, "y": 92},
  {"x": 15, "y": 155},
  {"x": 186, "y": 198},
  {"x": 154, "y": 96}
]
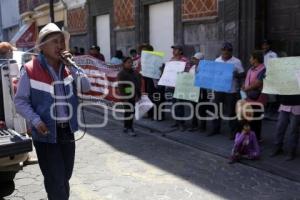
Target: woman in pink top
[{"x": 253, "y": 87}]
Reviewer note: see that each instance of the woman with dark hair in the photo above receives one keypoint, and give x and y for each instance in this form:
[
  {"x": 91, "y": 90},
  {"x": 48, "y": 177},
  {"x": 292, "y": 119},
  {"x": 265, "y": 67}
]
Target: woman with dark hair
[
  {"x": 130, "y": 93},
  {"x": 118, "y": 58},
  {"x": 253, "y": 88}
]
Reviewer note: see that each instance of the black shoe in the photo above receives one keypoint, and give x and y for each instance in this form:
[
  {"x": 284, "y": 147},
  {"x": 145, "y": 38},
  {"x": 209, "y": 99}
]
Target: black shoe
[
  {"x": 132, "y": 133},
  {"x": 291, "y": 156},
  {"x": 276, "y": 152}
]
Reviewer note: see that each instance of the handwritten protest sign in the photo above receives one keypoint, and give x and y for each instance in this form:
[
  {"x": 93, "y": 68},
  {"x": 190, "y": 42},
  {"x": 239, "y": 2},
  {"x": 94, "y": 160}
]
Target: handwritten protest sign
[
  {"x": 151, "y": 62},
  {"x": 298, "y": 77},
  {"x": 142, "y": 106},
  {"x": 281, "y": 76},
  {"x": 214, "y": 75},
  {"x": 185, "y": 89},
  {"x": 170, "y": 72}
]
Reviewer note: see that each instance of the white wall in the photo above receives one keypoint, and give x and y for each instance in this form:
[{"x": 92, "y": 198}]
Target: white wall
[
  {"x": 161, "y": 23},
  {"x": 103, "y": 35},
  {"x": 9, "y": 13},
  {"x": 71, "y": 4}
]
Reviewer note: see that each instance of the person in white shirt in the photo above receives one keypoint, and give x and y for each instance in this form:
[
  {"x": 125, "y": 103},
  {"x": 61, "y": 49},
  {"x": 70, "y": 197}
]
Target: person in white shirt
[
  {"x": 228, "y": 100},
  {"x": 268, "y": 53},
  {"x": 273, "y": 105}
]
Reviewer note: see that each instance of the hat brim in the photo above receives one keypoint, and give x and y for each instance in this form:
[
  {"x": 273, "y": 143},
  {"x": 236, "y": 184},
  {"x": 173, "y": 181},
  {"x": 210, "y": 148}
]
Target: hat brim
[{"x": 41, "y": 38}]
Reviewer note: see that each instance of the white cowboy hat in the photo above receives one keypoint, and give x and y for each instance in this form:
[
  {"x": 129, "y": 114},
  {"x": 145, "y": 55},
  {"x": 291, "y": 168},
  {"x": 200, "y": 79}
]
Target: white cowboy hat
[
  {"x": 48, "y": 29},
  {"x": 199, "y": 56}
]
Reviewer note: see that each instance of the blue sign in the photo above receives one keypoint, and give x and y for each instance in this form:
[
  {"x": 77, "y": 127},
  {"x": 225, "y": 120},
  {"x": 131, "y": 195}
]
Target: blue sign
[{"x": 216, "y": 76}]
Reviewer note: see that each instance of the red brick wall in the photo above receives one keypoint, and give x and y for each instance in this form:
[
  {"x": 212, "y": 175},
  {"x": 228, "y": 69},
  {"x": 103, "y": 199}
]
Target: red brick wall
[
  {"x": 23, "y": 6},
  {"x": 124, "y": 13},
  {"x": 77, "y": 22},
  {"x": 195, "y": 9}
]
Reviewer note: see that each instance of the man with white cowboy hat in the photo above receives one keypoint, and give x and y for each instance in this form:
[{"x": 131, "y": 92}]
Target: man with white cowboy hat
[
  {"x": 195, "y": 61},
  {"x": 47, "y": 98},
  {"x": 201, "y": 110}
]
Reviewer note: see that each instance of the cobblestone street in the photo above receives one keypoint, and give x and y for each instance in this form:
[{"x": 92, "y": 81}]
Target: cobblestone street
[
  {"x": 167, "y": 99},
  {"x": 112, "y": 165}
]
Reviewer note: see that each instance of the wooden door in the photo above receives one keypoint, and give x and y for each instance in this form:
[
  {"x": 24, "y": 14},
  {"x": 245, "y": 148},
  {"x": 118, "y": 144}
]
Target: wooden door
[{"x": 283, "y": 26}]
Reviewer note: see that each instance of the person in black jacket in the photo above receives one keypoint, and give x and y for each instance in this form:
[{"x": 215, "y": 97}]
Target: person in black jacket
[{"x": 130, "y": 93}]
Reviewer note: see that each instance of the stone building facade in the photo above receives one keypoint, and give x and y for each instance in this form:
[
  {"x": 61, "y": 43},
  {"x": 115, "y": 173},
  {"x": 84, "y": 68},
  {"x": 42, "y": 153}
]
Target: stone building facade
[
  {"x": 77, "y": 26},
  {"x": 199, "y": 25},
  {"x": 34, "y": 14},
  {"x": 205, "y": 24}
]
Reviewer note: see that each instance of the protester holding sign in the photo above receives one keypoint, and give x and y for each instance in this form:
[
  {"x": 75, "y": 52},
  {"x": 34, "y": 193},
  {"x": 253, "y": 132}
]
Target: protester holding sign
[
  {"x": 179, "y": 109},
  {"x": 253, "y": 88},
  {"x": 151, "y": 62},
  {"x": 216, "y": 76},
  {"x": 228, "y": 100},
  {"x": 281, "y": 76},
  {"x": 130, "y": 92},
  {"x": 171, "y": 69},
  {"x": 185, "y": 89},
  {"x": 273, "y": 104},
  {"x": 150, "y": 79},
  {"x": 202, "y": 96},
  {"x": 282, "y": 79},
  {"x": 288, "y": 116}
]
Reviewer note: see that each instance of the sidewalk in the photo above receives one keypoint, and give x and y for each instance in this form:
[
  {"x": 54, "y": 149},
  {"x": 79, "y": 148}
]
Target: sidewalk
[{"x": 221, "y": 145}]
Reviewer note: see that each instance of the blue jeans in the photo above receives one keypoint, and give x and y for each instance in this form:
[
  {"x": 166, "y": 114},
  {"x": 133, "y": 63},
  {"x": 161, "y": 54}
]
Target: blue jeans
[
  {"x": 56, "y": 162},
  {"x": 286, "y": 119}
]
